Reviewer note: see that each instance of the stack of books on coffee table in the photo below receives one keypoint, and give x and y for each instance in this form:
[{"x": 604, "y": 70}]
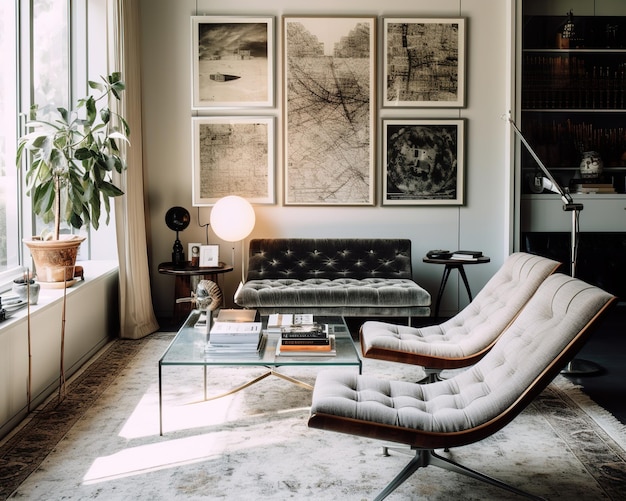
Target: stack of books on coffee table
[
  {"x": 235, "y": 335},
  {"x": 306, "y": 340},
  {"x": 278, "y": 321}
]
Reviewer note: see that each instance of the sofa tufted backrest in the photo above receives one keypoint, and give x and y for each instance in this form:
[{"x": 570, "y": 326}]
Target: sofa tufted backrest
[{"x": 329, "y": 258}]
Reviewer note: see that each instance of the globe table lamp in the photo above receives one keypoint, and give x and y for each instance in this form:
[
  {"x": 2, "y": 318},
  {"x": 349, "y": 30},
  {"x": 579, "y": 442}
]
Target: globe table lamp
[
  {"x": 232, "y": 219},
  {"x": 177, "y": 219}
]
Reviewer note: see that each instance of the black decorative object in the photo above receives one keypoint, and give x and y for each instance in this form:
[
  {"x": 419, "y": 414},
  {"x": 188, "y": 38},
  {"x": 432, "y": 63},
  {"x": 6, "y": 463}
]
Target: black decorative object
[{"x": 177, "y": 219}]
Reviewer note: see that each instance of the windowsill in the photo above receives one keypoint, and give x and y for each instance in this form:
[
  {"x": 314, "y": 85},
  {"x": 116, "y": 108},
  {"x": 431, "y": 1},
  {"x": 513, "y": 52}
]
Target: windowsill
[{"x": 93, "y": 272}]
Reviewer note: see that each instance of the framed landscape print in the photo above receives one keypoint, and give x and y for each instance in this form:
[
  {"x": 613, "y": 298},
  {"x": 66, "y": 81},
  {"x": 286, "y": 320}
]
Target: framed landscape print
[
  {"x": 329, "y": 107},
  {"x": 424, "y": 62},
  {"x": 232, "y": 61},
  {"x": 233, "y": 156},
  {"x": 423, "y": 162}
]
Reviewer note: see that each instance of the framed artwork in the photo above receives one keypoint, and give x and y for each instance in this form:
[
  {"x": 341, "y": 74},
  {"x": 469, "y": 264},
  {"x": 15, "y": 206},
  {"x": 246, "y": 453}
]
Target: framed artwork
[
  {"x": 209, "y": 255},
  {"x": 423, "y": 162},
  {"x": 329, "y": 106},
  {"x": 233, "y": 156},
  {"x": 232, "y": 61},
  {"x": 424, "y": 62},
  {"x": 193, "y": 253}
]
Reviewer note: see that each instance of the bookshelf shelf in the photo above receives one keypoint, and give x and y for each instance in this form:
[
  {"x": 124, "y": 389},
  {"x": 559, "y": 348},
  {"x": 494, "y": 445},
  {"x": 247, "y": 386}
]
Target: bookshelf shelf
[{"x": 573, "y": 95}]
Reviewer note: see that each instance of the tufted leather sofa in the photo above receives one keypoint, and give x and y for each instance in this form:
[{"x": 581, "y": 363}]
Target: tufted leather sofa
[{"x": 346, "y": 276}]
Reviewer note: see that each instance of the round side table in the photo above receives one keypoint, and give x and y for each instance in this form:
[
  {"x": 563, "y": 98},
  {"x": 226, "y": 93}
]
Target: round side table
[
  {"x": 186, "y": 280},
  {"x": 454, "y": 264}
]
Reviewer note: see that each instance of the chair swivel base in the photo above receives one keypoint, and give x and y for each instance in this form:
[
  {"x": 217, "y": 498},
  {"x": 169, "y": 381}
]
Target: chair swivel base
[
  {"x": 428, "y": 457},
  {"x": 432, "y": 376}
]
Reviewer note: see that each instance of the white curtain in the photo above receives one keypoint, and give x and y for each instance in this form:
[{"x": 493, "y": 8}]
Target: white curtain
[{"x": 137, "y": 317}]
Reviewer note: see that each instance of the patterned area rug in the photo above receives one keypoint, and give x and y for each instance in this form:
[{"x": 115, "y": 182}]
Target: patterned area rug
[{"x": 102, "y": 441}]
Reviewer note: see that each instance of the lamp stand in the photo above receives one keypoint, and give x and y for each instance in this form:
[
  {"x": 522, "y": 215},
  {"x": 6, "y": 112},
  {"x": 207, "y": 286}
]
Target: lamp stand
[
  {"x": 178, "y": 253},
  {"x": 575, "y": 367}
]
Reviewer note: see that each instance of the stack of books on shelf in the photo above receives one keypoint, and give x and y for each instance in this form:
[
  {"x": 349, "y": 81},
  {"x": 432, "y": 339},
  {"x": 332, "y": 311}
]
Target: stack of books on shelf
[
  {"x": 235, "y": 331},
  {"x": 306, "y": 340},
  {"x": 593, "y": 188},
  {"x": 465, "y": 255}
]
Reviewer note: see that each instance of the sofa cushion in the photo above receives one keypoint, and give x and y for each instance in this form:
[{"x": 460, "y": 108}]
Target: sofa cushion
[{"x": 340, "y": 292}]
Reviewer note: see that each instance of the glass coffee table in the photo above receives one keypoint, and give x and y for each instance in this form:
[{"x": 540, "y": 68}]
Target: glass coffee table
[{"x": 189, "y": 348}]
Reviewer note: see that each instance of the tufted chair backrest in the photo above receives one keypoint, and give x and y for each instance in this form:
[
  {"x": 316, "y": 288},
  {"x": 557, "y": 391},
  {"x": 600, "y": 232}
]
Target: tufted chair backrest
[
  {"x": 545, "y": 335},
  {"x": 329, "y": 258}
]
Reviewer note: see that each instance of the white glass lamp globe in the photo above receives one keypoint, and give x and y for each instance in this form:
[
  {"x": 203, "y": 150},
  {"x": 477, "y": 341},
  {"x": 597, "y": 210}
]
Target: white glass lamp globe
[{"x": 232, "y": 218}]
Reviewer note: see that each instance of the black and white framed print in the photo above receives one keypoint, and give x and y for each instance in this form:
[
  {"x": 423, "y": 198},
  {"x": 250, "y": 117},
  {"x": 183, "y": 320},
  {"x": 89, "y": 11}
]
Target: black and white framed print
[
  {"x": 232, "y": 61},
  {"x": 233, "y": 156},
  {"x": 329, "y": 109},
  {"x": 424, "y": 62},
  {"x": 423, "y": 162}
]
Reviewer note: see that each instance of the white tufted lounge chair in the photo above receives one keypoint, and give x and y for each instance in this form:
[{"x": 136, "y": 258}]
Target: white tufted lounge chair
[
  {"x": 476, "y": 403},
  {"x": 465, "y": 338}
]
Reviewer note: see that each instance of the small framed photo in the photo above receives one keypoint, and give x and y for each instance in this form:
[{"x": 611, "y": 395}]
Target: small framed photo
[
  {"x": 193, "y": 253},
  {"x": 232, "y": 61},
  {"x": 423, "y": 162},
  {"x": 424, "y": 62},
  {"x": 209, "y": 255},
  {"x": 233, "y": 155}
]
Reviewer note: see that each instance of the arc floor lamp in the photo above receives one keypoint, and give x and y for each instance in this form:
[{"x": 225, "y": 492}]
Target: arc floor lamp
[{"x": 576, "y": 366}]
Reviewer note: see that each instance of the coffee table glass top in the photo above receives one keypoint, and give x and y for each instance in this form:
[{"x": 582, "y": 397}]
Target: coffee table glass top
[{"x": 189, "y": 347}]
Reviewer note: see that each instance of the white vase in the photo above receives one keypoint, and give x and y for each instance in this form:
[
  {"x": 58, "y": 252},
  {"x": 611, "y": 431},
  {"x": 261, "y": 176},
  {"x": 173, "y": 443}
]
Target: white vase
[{"x": 26, "y": 291}]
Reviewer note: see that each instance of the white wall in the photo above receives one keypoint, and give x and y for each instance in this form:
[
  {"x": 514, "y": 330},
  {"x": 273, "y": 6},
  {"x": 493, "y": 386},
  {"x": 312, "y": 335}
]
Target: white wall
[{"x": 482, "y": 223}]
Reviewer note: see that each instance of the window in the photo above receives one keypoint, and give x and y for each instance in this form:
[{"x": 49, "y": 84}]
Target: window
[
  {"x": 9, "y": 186},
  {"x": 55, "y": 47}
]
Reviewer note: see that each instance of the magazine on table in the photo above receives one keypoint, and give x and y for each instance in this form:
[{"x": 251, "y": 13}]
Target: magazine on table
[{"x": 277, "y": 321}]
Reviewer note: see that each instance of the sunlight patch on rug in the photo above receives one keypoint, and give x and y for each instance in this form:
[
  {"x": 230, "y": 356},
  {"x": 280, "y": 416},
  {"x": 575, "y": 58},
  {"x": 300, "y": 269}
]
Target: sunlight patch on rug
[{"x": 173, "y": 453}]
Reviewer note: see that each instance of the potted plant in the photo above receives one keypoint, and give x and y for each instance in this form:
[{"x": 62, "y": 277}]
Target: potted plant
[{"x": 69, "y": 177}]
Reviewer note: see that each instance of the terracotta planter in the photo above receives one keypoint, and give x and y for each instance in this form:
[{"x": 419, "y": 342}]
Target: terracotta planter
[{"x": 55, "y": 260}]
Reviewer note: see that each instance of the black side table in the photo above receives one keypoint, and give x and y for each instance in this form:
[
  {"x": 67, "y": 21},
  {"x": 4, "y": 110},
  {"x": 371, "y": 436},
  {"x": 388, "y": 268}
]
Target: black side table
[
  {"x": 453, "y": 264},
  {"x": 187, "y": 278}
]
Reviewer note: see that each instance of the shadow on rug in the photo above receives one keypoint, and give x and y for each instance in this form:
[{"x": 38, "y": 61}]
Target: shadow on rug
[{"x": 103, "y": 441}]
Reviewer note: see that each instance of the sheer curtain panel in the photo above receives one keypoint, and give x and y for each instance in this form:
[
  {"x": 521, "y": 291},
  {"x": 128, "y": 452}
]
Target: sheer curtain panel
[{"x": 137, "y": 317}]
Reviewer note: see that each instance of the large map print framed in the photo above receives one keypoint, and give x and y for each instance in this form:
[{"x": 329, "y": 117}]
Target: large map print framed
[
  {"x": 329, "y": 106},
  {"x": 233, "y": 156}
]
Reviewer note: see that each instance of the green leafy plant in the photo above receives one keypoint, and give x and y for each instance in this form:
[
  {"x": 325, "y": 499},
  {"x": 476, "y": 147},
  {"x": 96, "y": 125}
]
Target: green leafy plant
[{"x": 73, "y": 157}]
